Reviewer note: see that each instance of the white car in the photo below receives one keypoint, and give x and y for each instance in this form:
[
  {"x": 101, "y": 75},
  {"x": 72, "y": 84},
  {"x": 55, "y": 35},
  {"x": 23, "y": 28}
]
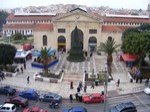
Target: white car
[
  {"x": 147, "y": 90},
  {"x": 7, "y": 107}
]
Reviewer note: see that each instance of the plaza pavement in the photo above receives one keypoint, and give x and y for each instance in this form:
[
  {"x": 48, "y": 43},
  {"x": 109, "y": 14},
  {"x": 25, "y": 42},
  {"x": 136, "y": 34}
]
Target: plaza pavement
[{"x": 119, "y": 71}]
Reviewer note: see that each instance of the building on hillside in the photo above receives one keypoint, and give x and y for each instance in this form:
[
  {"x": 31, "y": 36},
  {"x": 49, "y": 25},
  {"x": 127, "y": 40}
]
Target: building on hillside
[{"x": 56, "y": 31}]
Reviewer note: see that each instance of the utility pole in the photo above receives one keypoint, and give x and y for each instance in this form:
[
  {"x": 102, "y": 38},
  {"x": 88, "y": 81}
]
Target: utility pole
[{"x": 105, "y": 87}]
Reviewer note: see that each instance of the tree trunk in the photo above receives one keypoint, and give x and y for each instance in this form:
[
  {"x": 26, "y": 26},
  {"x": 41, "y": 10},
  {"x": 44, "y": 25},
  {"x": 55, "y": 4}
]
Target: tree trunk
[{"x": 109, "y": 63}]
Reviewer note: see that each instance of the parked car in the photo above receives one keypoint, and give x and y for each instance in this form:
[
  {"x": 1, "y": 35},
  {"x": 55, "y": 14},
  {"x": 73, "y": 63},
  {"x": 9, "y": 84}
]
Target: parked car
[
  {"x": 76, "y": 109},
  {"x": 7, "y": 90},
  {"x": 29, "y": 94},
  {"x": 18, "y": 101},
  {"x": 7, "y": 107},
  {"x": 123, "y": 107},
  {"x": 147, "y": 90},
  {"x": 49, "y": 97},
  {"x": 93, "y": 98},
  {"x": 34, "y": 109}
]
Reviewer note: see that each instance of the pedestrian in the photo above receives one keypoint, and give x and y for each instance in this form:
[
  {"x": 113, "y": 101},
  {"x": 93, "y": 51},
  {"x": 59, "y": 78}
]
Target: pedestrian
[
  {"x": 92, "y": 85},
  {"x": 146, "y": 82},
  {"x": 80, "y": 85},
  {"x": 78, "y": 89},
  {"x": 71, "y": 85},
  {"x": 77, "y": 97},
  {"x": 118, "y": 82},
  {"x": 71, "y": 98},
  {"x": 28, "y": 79},
  {"x": 24, "y": 65},
  {"x": 85, "y": 87},
  {"x": 21, "y": 69}
]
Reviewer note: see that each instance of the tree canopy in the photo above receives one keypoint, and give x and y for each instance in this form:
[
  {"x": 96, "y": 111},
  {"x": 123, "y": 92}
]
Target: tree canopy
[
  {"x": 3, "y": 16},
  {"x": 7, "y": 54},
  {"x": 137, "y": 41}
]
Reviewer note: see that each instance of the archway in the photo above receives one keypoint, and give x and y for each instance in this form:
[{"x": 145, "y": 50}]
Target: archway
[
  {"x": 92, "y": 44},
  {"x": 80, "y": 34},
  {"x": 61, "y": 43}
]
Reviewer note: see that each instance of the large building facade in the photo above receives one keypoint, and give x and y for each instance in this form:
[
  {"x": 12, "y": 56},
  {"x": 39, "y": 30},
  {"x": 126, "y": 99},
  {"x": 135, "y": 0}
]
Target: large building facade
[{"x": 56, "y": 31}]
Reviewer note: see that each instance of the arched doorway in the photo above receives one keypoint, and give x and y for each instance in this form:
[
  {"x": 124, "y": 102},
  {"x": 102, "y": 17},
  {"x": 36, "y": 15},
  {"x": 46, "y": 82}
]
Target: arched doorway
[
  {"x": 80, "y": 34},
  {"x": 61, "y": 43},
  {"x": 92, "y": 44}
]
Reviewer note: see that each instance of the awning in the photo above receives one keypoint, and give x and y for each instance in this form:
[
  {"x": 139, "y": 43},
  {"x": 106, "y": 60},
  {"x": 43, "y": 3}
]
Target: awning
[{"x": 129, "y": 57}]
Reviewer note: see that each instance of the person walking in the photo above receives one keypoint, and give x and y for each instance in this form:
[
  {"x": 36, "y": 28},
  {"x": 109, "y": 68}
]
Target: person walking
[
  {"x": 71, "y": 85},
  {"x": 24, "y": 65},
  {"x": 77, "y": 97},
  {"x": 85, "y": 87},
  {"x": 21, "y": 69},
  {"x": 78, "y": 89},
  {"x": 28, "y": 79},
  {"x": 71, "y": 98},
  {"x": 80, "y": 85},
  {"x": 92, "y": 86},
  {"x": 118, "y": 82}
]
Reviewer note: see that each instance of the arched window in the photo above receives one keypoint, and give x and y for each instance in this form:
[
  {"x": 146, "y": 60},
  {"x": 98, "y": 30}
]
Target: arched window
[{"x": 44, "y": 40}]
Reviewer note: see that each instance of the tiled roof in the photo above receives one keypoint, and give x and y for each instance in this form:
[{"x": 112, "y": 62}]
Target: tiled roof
[
  {"x": 40, "y": 27},
  {"x": 115, "y": 28},
  {"x": 29, "y": 26},
  {"x": 29, "y": 17},
  {"x": 127, "y": 20},
  {"x": 19, "y": 26}
]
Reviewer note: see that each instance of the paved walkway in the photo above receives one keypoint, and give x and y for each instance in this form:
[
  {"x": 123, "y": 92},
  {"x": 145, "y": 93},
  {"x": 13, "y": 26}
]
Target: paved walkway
[{"x": 63, "y": 88}]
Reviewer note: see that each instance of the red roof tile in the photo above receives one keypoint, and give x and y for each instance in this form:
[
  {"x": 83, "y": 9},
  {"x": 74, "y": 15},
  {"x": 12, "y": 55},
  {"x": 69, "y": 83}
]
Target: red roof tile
[
  {"x": 127, "y": 20},
  {"x": 13, "y": 17},
  {"x": 115, "y": 28},
  {"x": 18, "y": 26}
]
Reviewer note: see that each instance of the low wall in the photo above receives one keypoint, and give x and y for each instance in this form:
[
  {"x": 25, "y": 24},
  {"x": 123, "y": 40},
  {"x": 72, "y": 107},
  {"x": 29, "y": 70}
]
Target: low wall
[
  {"x": 39, "y": 65},
  {"x": 38, "y": 77}
]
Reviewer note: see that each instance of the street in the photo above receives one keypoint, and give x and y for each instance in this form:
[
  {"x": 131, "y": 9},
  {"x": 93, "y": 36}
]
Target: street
[{"x": 141, "y": 100}]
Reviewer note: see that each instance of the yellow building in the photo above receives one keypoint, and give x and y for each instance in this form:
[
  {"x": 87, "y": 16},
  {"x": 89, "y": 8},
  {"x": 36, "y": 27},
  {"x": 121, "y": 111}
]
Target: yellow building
[{"x": 56, "y": 30}]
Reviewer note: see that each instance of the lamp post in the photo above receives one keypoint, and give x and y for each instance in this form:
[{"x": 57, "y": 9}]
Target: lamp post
[{"x": 105, "y": 87}]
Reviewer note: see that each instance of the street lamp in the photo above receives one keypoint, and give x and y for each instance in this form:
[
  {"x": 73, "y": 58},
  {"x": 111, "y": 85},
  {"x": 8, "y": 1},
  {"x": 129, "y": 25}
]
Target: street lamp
[{"x": 105, "y": 86}]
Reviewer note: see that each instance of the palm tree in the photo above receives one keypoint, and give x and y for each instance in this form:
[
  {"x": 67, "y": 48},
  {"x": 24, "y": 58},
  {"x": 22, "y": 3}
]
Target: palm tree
[
  {"x": 108, "y": 47},
  {"x": 44, "y": 56}
]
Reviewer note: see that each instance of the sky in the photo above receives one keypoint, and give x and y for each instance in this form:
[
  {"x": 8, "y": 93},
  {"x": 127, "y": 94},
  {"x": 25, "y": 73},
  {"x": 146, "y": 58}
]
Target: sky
[{"x": 126, "y": 4}]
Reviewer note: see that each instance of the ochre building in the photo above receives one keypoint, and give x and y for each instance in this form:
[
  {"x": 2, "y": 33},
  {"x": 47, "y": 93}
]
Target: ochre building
[{"x": 56, "y": 30}]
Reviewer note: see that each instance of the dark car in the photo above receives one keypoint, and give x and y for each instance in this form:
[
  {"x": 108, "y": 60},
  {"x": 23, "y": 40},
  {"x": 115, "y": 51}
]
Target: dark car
[
  {"x": 76, "y": 109},
  {"x": 18, "y": 101},
  {"x": 7, "y": 90},
  {"x": 49, "y": 97},
  {"x": 124, "y": 107},
  {"x": 29, "y": 94}
]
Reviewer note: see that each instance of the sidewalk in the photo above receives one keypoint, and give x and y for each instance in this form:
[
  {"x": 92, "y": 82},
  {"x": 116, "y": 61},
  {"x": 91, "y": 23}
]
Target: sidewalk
[{"x": 63, "y": 88}]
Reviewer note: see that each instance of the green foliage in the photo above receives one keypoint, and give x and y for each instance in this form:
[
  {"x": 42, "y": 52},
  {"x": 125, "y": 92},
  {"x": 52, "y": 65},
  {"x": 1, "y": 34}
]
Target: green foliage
[
  {"x": 7, "y": 54},
  {"x": 137, "y": 42},
  {"x": 108, "y": 47},
  {"x": 17, "y": 36},
  {"x": 3, "y": 16},
  {"x": 44, "y": 56}
]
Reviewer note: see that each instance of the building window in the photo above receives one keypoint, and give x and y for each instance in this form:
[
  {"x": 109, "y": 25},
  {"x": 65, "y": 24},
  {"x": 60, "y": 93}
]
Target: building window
[
  {"x": 61, "y": 30},
  {"x": 44, "y": 40},
  {"x": 93, "y": 31}
]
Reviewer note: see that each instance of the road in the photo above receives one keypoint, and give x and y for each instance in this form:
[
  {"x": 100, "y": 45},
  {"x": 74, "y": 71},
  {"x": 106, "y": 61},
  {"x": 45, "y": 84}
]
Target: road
[{"x": 141, "y": 100}]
